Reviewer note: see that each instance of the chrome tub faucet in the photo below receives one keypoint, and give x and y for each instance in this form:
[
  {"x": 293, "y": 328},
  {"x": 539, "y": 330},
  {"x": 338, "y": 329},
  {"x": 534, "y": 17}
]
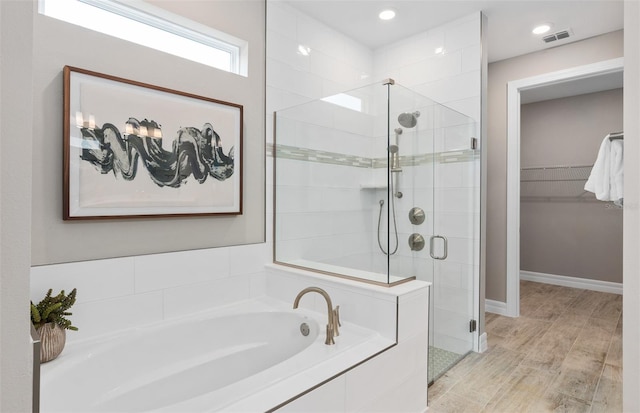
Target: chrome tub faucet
[{"x": 333, "y": 314}]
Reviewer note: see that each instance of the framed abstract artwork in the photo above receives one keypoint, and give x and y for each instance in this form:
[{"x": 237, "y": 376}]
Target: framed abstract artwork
[{"x": 136, "y": 150}]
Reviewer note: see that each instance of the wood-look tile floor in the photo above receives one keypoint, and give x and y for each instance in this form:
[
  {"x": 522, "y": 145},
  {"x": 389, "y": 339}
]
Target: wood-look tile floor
[{"x": 563, "y": 354}]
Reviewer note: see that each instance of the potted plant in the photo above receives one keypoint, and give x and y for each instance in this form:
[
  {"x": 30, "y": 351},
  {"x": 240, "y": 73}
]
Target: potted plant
[{"x": 49, "y": 319}]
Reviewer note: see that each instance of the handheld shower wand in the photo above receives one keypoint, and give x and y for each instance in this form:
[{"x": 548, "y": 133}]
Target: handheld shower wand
[{"x": 394, "y": 150}]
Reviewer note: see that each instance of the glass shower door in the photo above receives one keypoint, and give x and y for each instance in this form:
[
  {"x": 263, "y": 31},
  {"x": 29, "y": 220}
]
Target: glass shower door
[
  {"x": 436, "y": 191},
  {"x": 454, "y": 241}
]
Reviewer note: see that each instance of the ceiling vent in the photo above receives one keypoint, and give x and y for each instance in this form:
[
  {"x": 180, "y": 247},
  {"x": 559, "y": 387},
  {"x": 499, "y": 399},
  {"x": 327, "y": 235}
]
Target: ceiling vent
[{"x": 562, "y": 34}]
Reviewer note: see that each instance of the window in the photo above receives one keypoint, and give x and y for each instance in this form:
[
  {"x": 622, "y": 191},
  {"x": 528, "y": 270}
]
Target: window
[
  {"x": 346, "y": 101},
  {"x": 146, "y": 25}
]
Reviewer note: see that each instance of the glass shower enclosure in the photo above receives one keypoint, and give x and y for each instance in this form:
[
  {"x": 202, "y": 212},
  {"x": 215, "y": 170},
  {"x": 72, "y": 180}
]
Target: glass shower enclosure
[{"x": 381, "y": 184}]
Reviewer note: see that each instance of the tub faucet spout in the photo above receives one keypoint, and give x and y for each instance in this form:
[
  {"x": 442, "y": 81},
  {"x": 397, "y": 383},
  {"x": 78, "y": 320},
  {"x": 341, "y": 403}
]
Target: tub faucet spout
[{"x": 333, "y": 314}]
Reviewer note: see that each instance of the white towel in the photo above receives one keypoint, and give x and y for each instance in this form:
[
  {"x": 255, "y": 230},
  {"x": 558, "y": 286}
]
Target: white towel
[{"x": 607, "y": 175}]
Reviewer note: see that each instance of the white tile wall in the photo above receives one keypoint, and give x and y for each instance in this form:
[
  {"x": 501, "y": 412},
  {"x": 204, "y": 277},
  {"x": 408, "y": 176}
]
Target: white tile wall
[
  {"x": 127, "y": 292},
  {"x": 95, "y": 281},
  {"x": 391, "y": 381},
  {"x": 100, "y": 317},
  {"x": 362, "y": 306},
  {"x": 162, "y": 271},
  {"x": 330, "y": 398},
  {"x": 451, "y": 77}
]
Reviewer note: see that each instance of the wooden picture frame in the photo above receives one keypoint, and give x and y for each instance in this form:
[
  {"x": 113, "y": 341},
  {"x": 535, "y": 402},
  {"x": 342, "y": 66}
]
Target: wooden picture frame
[{"x": 134, "y": 150}]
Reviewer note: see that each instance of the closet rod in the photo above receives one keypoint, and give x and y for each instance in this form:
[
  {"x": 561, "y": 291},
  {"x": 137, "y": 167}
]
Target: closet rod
[{"x": 615, "y": 136}]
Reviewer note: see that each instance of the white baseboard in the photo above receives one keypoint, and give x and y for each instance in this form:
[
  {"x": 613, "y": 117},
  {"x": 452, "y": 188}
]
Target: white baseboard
[
  {"x": 496, "y": 307},
  {"x": 483, "y": 343},
  {"x": 574, "y": 282}
]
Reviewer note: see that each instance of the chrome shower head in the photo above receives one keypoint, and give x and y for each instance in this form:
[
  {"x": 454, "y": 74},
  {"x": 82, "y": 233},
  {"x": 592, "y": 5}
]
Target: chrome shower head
[{"x": 408, "y": 119}]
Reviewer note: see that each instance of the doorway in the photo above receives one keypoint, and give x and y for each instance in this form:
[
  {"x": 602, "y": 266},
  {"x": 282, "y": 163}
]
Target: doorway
[{"x": 555, "y": 82}]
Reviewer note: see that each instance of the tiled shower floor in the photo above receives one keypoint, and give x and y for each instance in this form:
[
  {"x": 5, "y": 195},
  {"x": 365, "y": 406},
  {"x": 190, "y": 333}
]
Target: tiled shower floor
[{"x": 440, "y": 361}]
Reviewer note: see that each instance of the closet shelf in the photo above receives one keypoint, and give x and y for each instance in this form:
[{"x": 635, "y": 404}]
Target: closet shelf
[{"x": 555, "y": 183}]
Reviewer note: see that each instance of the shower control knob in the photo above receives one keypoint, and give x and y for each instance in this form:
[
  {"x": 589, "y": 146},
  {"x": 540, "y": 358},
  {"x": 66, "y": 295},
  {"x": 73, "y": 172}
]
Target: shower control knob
[
  {"x": 416, "y": 216},
  {"x": 416, "y": 242}
]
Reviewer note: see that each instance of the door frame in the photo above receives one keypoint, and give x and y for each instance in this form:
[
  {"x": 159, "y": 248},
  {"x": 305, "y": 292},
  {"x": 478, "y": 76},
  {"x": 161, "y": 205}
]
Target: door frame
[{"x": 514, "y": 88}]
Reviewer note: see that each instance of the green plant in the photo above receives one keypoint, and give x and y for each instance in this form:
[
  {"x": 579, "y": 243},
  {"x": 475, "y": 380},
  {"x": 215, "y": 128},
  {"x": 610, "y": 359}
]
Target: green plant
[{"x": 53, "y": 309}]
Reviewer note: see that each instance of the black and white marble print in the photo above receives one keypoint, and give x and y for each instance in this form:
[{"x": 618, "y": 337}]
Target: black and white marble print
[{"x": 196, "y": 152}]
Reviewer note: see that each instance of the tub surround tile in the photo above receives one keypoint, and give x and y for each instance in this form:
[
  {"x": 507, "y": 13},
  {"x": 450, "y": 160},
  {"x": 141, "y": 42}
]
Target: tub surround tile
[
  {"x": 257, "y": 284},
  {"x": 248, "y": 259},
  {"x": 160, "y": 271},
  {"x": 400, "y": 363},
  {"x": 414, "y": 314},
  {"x": 105, "y": 317},
  {"x": 154, "y": 287},
  {"x": 404, "y": 399},
  {"x": 318, "y": 402},
  {"x": 400, "y": 371},
  {"x": 95, "y": 280},
  {"x": 370, "y": 306},
  {"x": 397, "y": 375},
  {"x": 192, "y": 298}
]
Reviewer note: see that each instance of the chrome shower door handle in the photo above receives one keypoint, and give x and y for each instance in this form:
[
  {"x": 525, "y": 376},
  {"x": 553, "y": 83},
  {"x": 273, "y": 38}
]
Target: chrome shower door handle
[{"x": 432, "y": 247}]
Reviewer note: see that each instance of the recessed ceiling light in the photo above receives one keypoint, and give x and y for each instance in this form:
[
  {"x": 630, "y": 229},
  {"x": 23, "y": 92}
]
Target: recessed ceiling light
[
  {"x": 387, "y": 14},
  {"x": 542, "y": 29}
]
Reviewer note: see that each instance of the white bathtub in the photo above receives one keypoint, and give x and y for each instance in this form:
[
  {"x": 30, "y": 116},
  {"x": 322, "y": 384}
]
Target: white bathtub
[{"x": 247, "y": 357}]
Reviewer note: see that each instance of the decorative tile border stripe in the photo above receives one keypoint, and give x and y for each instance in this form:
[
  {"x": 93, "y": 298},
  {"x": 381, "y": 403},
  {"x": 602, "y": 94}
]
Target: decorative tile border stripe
[
  {"x": 334, "y": 158},
  {"x": 313, "y": 155}
]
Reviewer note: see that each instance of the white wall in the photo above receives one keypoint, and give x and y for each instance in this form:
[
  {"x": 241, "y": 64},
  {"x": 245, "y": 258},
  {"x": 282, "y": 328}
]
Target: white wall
[
  {"x": 569, "y": 232},
  {"x": 150, "y": 288},
  {"x": 393, "y": 381},
  {"x": 34, "y": 49},
  {"x": 56, "y": 44},
  {"x": 16, "y": 94},
  {"x": 451, "y": 77},
  {"x": 631, "y": 242},
  {"x": 595, "y": 49},
  {"x": 318, "y": 202},
  {"x": 312, "y": 196}
]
